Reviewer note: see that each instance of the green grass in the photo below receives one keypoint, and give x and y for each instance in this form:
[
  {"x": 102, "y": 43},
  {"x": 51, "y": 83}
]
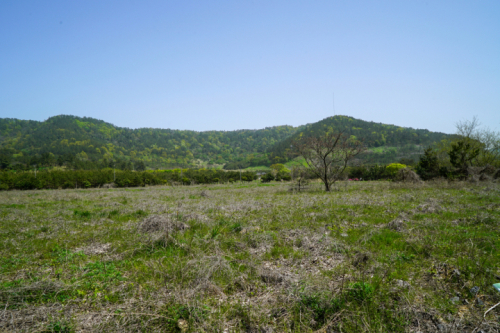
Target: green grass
[
  {"x": 258, "y": 168},
  {"x": 252, "y": 257},
  {"x": 298, "y": 161}
]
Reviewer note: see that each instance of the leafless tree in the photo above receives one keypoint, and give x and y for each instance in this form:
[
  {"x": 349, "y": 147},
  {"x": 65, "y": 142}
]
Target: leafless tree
[
  {"x": 328, "y": 156},
  {"x": 486, "y": 141},
  {"x": 300, "y": 179},
  {"x": 468, "y": 128}
]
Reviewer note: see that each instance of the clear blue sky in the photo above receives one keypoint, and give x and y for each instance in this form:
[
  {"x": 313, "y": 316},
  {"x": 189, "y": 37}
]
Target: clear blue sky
[{"x": 226, "y": 65}]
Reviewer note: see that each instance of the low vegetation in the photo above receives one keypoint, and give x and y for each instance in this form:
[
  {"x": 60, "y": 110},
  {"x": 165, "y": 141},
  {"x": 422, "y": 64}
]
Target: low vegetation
[
  {"x": 66, "y": 179},
  {"x": 252, "y": 257}
]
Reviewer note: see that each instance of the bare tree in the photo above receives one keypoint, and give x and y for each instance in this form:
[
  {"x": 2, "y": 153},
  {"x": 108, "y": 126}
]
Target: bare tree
[
  {"x": 328, "y": 156},
  {"x": 485, "y": 141},
  {"x": 300, "y": 179},
  {"x": 468, "y": 128}
]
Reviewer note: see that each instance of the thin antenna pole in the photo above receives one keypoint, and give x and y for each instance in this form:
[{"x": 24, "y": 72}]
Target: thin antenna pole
[{"x": 334, "y": 103}]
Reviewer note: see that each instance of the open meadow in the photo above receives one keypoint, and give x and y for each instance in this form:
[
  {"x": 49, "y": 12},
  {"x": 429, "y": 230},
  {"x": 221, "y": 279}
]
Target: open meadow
[{"x": 366, "y": 257}]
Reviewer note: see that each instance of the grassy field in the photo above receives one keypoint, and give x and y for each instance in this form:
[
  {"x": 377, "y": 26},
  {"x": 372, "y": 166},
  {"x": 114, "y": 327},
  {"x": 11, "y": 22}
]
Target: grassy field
[{"x": 368, "y": 257}]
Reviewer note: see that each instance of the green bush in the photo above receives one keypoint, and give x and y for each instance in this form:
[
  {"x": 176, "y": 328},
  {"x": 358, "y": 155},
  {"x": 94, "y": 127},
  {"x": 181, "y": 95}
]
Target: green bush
[
  {"x": 428, "y": 166},
  {"x": 393, "y": 168},
  {"x": 360, "y": 291},
  {"x": 267, "y": 178}
]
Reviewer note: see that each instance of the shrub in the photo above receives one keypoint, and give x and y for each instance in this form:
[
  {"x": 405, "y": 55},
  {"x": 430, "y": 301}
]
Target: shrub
[
  {"x": 267, "y": 178},
  {"x": 407, "y": 175},
  {"x": 393, "y": 168},
  {"x": 428, "y": 166}
]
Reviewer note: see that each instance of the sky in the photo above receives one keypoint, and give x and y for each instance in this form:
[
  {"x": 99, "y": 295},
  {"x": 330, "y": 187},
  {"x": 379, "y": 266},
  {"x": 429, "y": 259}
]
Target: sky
[{"x": 228, "y": 65}]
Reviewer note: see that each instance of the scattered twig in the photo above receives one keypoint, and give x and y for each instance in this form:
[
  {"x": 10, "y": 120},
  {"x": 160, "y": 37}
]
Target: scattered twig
[
  {"x": 494, "y": 306},
  {"x": 129, "y": 313},
  {"x": 484, "y": 317}
]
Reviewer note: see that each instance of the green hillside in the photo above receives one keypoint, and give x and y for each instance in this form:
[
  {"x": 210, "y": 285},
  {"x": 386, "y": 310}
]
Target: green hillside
[
  {"x": 386, "y": 143},
  {"x": 87, "y": 143}
]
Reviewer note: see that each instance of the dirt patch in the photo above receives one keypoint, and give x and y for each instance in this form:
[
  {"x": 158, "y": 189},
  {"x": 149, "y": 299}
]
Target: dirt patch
[
  {"x": 292, "y": 270},
  {"x": 94, "y": 248}
]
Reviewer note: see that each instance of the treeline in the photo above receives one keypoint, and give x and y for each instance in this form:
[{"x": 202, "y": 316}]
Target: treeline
[
  {"x": 407, "y": 140},
  {"x": 68, "y": 161},
  {"x": 65, "y": 179},
  {"x": 69, "y": 179},
  {"x": 86, "y": 142}
]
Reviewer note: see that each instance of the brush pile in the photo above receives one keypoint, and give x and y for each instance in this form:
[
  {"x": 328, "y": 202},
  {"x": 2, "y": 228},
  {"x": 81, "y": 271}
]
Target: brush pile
[
  {"x": 407, "y": 175},
  {"x": 161, "y": 223}
]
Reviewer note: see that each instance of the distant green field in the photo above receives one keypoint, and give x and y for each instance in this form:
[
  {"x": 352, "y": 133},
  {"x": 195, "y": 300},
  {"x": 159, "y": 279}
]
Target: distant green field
[
  {"x": 298, "y": 161},
  {"x": 258, "y": 168}
]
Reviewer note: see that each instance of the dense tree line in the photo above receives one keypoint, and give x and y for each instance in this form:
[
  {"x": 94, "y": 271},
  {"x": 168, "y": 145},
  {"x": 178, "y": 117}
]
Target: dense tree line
[
  {"x": 59, "y": 179},
  {"x": 79, "y": 142},
  {"x": 87, "y": 143},
  {"x": 408, "y": 140}
]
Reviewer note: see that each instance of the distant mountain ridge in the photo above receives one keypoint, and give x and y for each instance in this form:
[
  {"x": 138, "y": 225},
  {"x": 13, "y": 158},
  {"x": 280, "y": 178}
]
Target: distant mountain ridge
[
  {"x": 87, "y": 141},
  {"x": 371, "y": 133}
]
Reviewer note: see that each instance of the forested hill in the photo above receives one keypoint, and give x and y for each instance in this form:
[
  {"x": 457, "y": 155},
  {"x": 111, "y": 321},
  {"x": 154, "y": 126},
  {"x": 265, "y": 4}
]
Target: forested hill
[
  {"x": 372, "y": 134},
  {"x": 90, "y": 143},
  {"x": 87, "y": 141}
]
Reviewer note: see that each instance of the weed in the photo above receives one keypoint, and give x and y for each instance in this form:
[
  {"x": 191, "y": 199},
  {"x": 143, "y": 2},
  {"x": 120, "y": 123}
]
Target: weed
[
  {"x": 140, "y": 213},
  {"x": 113, "y": 213},
  {"x": 215, "y": 232},
  {"x": 190, "y": 313},
  {"x": 320, "y": 306},
  {"x": 100, "y": 274},
  {"x": 63, "y": 255},
  {"x": 360, "y": 291},
  {"x": 405, "y": 257},
  {"x": 84, "y": 214},
  {"x": 236, "y": 227},
  {"x": 60, "y": 326}
]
